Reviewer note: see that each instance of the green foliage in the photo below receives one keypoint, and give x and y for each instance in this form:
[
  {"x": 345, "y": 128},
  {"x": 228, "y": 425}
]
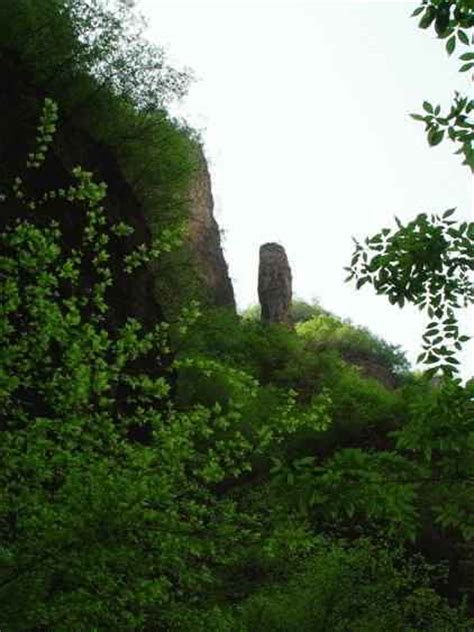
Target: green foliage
[
  {"x": 321, "y": 338},
  {"x": 452, "y": 20},
  {"x": 300, "y": 311},
  {"x": 60, "y": 40},
  {"x": 361, "y": 409},
  {"x": 264, "y": 351},
  {"x": 252, "y": 312},
  {"x": 108, "y": 513},
  {"x": 427, "y": 262},
  {"x": 308, "y": 362},
  {"x": 455, "y": 124},
  {"x": 446, "y": 16},
  {"x": 363, "y": 406},
  {"x": 112, "y": 87},
  {"x": 354, "y": 343},
  {"x": 363, "y": 588},
  {"x": 366, "y": 487},
  {"x": 194, "y": 474},
  {"x": 439, "y": 433}
]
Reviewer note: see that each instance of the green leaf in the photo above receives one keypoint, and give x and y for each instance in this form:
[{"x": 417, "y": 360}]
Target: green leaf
[
  {"x": 463, "y": 37},
  {"x": 466, "y": 56},
  {"x": 451, "y": 44},
  {"x": 428, "y": 18},
  {"x": 428, "y": 107},
  {"x": 361, "y": 282},
  {"x": 417, "y": 117},
  {"x": 442, "y": 20},
  {"x": 448, "y": 213},
  {"x": 435, "y": 136},
  {"x": 306, "y": 460},
  {"x": 417, "y": 11},
  {"x": 466, "y": 67},
  {"x": 452, "y": 360}
]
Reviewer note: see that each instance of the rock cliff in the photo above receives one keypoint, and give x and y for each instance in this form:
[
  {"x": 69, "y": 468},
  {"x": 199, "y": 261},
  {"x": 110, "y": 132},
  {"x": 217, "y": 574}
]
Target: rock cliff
[
  {"x": 75, "y": 144},
  {"x": 204, "y": 237}
]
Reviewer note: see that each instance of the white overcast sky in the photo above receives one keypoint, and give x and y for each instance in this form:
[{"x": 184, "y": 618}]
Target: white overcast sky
[{"x": 303, "y": 108}]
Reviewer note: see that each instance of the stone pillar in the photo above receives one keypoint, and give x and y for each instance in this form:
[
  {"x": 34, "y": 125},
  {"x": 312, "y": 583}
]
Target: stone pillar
[{"x": 274, "y": 284}]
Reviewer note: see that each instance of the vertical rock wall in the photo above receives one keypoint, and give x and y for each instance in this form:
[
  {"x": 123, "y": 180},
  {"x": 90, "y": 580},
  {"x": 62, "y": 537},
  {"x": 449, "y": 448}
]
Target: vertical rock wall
[{"x": 205, "y": 240}]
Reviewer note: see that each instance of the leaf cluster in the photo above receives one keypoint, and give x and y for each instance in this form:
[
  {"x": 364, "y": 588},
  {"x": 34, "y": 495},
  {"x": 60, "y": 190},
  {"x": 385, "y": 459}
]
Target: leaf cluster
[
  {"x": 427, "y": 262},
  {"x": 453, "y": 20},
  {"x": 457, "y": 123}
]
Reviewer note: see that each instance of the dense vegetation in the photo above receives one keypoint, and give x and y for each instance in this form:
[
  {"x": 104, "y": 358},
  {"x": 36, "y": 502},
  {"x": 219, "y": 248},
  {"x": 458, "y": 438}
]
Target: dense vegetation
[{"x": 199, "y": 472}]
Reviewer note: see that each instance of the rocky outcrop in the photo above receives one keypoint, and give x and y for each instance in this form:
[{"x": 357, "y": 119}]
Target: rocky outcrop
[
  {"x": 204, "y": 238},
  {"x": 274, "y": 284},
  {"x": 154, "y": 290}
]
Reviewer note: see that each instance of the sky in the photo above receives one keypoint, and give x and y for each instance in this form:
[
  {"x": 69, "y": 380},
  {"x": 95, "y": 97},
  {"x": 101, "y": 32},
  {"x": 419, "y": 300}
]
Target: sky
[{"x": 304, "y": 111}]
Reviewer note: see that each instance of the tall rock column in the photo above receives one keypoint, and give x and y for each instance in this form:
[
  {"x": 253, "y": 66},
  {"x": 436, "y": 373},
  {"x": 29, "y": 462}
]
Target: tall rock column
[{"x": 274, "y": 284}]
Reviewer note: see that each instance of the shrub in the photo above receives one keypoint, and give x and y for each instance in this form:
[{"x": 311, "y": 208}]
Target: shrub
[{"x": 356, "y": 344}]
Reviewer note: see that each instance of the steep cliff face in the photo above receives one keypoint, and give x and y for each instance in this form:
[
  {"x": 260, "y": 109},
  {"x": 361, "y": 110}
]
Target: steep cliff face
[
  {"x": 204, "y": 238},
  {"x": 20, "y": 105}
]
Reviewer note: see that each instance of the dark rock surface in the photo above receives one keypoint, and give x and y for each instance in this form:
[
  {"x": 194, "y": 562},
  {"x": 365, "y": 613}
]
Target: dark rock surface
[
  {"x": 20, "y": 106},
  {"x": 274, "y": 284}
]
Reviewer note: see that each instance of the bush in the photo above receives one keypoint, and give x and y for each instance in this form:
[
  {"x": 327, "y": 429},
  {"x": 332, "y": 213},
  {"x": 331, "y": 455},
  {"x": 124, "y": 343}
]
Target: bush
[
  {"x": 362, "y": 404},
  {"x": 300, "y": 311},
  {"x": 355, "y": 344}
]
